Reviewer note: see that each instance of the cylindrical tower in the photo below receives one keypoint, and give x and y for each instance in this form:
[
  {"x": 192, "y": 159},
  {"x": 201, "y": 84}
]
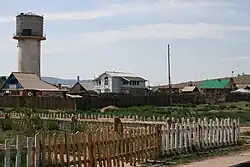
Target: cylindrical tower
[{"x": 29, "y": 33}]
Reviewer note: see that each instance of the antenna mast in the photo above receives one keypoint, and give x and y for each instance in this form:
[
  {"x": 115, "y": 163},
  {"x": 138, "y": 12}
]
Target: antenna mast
[{"x": 169, "y": 77}]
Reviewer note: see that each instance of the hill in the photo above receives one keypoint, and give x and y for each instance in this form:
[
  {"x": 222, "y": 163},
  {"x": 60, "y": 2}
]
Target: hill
[{"x": 54, "y": 80}]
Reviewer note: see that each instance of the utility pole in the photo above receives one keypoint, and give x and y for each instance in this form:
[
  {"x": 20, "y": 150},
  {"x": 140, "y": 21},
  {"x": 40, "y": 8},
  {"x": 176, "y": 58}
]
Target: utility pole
[{"x": 169, "y": 77}]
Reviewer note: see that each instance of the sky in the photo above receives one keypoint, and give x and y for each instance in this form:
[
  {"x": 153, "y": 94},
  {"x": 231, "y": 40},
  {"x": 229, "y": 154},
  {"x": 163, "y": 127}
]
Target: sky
[{"x": 208, "y": 38}]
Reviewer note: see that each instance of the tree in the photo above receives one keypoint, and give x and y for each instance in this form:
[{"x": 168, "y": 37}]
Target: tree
[{"x": 2, "y": 80}]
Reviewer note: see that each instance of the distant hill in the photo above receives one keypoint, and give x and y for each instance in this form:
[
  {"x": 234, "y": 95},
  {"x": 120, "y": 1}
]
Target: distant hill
[{"x": 53, "y": 80}]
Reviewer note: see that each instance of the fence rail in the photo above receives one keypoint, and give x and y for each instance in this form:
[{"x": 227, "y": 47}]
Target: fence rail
[{"x": 115, "y": 148}]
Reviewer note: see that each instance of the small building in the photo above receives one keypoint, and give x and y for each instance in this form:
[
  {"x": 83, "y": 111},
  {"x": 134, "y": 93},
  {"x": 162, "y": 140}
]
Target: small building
[
  {"x": 29, "y": 84},
  {"x": 82, "y": 88},
  {"x": 217, "y": 86},
  {"x": 190, "y": 89},
  {"x": 120, "y": 82}
]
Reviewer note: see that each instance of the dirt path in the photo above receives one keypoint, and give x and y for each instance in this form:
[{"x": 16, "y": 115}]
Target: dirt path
[{"x": 221, "y": 161}]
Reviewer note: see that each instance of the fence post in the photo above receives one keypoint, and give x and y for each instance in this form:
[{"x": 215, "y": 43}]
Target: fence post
[
  {"x": 163, "y": 140},
  {"x": 37, "y": 150},
  {"x": 7, "y": 153},
  {"x": 118, "y": 126},
  {"x": 90, "y": 151},
  {"x": 238, "y": 129},
  {"x": 29, "y": 152},
  {"x": 18, "y": 155}
]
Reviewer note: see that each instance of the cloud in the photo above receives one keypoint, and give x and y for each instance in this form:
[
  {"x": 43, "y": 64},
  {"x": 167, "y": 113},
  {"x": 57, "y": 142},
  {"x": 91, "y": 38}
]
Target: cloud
[
  {"x": 78, "y": 43},
  {"x": 161, "y": 31},
  {"x": 238, "y": 58},
  {"x": 173, "y": 7}
]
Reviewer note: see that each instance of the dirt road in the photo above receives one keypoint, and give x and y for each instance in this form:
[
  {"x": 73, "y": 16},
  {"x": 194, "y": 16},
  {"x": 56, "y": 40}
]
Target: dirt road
[{"x": 221, "y": 161}]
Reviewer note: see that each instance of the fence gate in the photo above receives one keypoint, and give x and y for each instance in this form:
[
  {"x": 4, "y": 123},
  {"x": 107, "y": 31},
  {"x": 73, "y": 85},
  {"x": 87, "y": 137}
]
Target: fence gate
[{"x": 101, "y": 148}]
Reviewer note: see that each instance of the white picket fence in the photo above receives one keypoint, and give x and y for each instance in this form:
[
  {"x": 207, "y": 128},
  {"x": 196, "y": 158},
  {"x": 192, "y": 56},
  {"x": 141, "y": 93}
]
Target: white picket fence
[
  {"x": 176, "y": 137},
  {"x": 203, "y": 134},
  {"x": 18, "y": 149},
  {"x": 66, "y": 116}
]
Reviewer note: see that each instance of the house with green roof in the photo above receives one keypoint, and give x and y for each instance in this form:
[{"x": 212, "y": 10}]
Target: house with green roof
[{"x": 217, "y": 85}]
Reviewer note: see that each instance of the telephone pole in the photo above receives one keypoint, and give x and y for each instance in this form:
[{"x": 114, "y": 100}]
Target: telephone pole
[{"x": 169, "y": 77}]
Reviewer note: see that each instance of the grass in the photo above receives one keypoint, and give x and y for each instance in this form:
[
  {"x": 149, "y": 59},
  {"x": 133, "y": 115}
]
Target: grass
[{"x": 233, "y": 110}]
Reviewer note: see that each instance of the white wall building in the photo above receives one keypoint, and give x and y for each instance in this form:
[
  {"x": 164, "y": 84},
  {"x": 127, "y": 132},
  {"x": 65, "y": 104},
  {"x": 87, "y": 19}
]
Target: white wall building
[{"x": 119, "y": 82}]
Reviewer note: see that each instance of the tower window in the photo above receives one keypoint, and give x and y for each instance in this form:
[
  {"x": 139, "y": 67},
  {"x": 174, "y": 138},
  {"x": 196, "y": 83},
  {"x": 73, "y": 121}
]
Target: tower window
[{"x": 27, "y": 32}]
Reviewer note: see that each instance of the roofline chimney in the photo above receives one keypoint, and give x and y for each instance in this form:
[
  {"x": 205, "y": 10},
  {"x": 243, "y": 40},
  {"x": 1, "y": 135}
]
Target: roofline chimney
[{"x": 78, "y": 79}]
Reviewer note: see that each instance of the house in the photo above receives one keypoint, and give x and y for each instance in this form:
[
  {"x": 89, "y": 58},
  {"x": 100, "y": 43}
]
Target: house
[
  {"x": 29, "y": 84},
  {"x": 176, "y": 88},
  {"x": 242, "y": 87},
  {"x": 120, "y": 82},
  {"x": 217, "y": 86},
  {"x": 82, "y": 88},
  {"x": 190, "y": 89},
  {"x": 240, "y": 80}
]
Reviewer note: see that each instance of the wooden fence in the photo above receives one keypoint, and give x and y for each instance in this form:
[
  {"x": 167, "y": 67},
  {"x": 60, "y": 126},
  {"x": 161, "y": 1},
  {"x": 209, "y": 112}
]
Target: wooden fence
[
  {"x": 87, "y": 103},
  {"x": 109, "y": 148}
]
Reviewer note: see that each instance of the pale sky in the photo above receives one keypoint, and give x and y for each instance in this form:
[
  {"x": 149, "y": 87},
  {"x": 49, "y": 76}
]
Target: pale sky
[{"x": 209, "y": 38}]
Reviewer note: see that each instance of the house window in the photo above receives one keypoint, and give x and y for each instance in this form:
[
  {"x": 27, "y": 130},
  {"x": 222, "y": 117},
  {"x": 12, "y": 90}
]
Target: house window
[
  {"x": 106, "y": 81},
  {"x": 99, "y": 83},
  {"x": 106, "y": 91},
  {"x": 134, "y": 82},
  {"x": 125, "y": 82}
]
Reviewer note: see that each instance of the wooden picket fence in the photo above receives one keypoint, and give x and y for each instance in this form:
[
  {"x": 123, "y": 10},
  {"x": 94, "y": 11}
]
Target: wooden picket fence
[
  {"x": 105, "y": 148},
  {"x": 109, "y": 148}
]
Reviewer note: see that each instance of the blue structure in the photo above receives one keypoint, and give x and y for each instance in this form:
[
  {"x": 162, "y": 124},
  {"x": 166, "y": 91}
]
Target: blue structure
[{"x": 11, "y": 80}]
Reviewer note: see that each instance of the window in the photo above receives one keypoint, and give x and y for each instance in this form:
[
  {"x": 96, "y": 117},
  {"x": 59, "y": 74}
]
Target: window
[
  {"x": 99, "y": 83},
  {"x": 134, "y": 82},
  {"x": 106, "y": 81},
  {"x": 27, "y": 32},
  {"x": 12, "y": 81},
  {"x": 125, "y": 82},
  {"x": 106, "y": 91}
]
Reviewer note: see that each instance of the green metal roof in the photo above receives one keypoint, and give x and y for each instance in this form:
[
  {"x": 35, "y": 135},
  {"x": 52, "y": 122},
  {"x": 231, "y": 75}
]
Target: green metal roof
[{"x": 215, "y": 84}]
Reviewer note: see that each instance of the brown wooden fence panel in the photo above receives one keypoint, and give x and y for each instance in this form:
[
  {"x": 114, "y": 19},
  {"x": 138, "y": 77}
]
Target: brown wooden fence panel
[
  {"x": 102, "y": 148},
  {"x": 87, "y": 103}
]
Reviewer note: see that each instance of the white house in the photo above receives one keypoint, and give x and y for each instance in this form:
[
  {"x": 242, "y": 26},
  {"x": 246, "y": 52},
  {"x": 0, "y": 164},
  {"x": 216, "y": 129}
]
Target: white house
[{"x": 119, "y": 82}]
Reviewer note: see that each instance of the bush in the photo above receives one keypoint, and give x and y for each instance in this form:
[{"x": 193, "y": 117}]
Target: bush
[
  {"x": 51, "y": 125},
  {"x": 222, "y": 107},
  {"x": 232, "y": 106}
]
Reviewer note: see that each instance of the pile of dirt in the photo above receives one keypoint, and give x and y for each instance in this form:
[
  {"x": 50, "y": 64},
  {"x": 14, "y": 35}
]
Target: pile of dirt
[{"x": 108, "y": 108}]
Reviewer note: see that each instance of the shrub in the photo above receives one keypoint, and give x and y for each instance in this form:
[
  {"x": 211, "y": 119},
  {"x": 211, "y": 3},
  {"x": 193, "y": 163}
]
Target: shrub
[
  {"x": 232, "y": 106},
  {"x": 222, "y": 107}
]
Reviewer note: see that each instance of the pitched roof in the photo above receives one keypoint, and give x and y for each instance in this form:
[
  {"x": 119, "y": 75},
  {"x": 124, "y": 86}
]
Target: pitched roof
[
  {"x": 88, "y": 85},
  {"x": 215, "y": 84},
  {"x": 31, "y": 81},
  {"x": 122, "y": 74},
  {"x": 189, "y": 89},
  {"x": 134, "y": 78},
  {"x": 238, "y": 80}
]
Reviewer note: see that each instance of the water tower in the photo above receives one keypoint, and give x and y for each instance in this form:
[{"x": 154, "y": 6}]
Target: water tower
[{"x": 29, "y": 33}]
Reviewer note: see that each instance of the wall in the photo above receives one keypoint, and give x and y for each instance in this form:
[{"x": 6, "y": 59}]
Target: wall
[
  {"x": 29, "y": 52},
  {"x": 87, "y": 103},
  {"x": 102, "y": 87},
  {"x": 60, "y": 103},
  {"x": 6, "y": 86},
  {"x": 35, "y": 23},
  {"x": 116, "y": 85}
]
